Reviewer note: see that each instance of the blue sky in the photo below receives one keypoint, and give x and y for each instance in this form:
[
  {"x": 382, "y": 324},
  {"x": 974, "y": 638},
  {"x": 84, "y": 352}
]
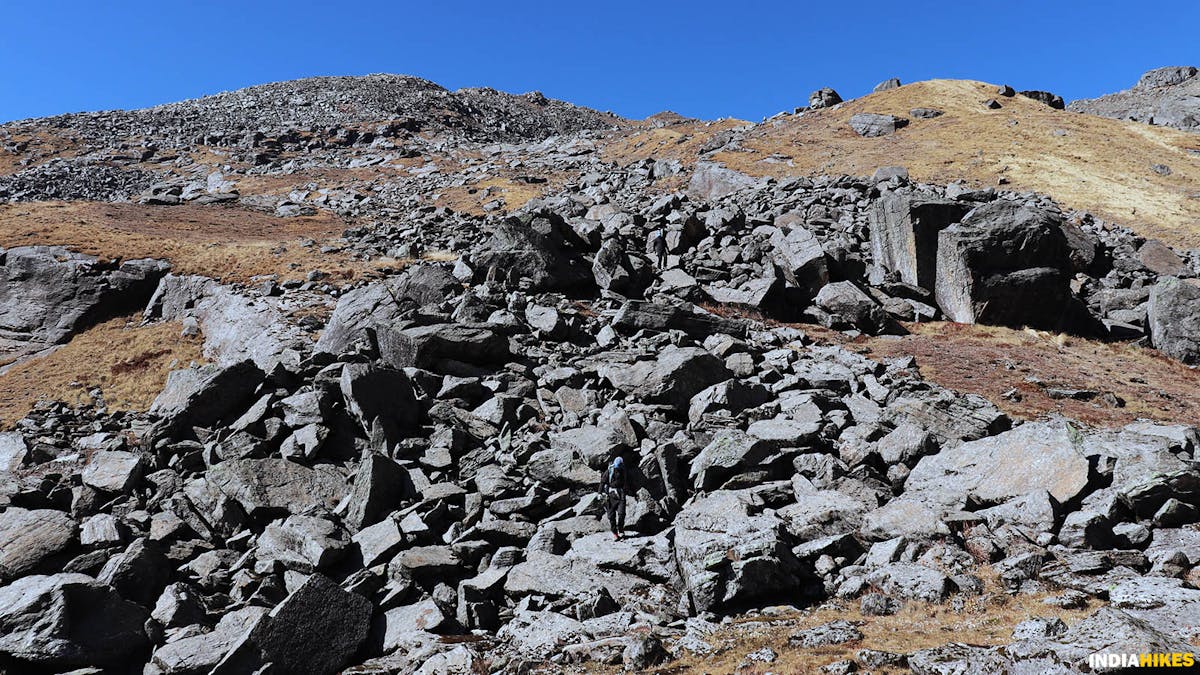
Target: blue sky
[{"x": 745, "y": 58}]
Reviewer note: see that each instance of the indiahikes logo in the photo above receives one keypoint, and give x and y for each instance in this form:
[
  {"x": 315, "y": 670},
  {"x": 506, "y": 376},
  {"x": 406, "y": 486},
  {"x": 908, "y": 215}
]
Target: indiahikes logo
[{"x": 1147, "y": 660}]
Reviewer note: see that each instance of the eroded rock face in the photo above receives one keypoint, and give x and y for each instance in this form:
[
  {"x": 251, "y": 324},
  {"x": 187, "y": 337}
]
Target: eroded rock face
[
  {"x": 1164, "y": 96},
  {"x": 1005, "y": 264},
  {"x": 904, "y": 237},
  {"x": 47, "y": 293}
]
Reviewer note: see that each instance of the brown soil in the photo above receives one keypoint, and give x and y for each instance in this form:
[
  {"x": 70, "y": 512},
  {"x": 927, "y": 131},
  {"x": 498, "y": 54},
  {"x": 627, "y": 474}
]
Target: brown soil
[
  {"x": 224, "y": 242},
  {"x": 129, "y": 363},
  {"x": 992, "y": 361}
]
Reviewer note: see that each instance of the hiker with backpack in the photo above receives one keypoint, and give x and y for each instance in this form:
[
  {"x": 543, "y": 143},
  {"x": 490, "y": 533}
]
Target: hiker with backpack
[
  {"x": 658, "y": 244},
  {"x": 612, "y": 486}
]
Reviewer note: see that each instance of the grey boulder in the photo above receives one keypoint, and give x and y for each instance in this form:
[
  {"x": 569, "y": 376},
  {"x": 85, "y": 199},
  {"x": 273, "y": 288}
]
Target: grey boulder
[
  {"x": 873, "y": 124},
  {"x": 68, "y": 620},
  {"x": 1005, "y": 264},
  {"x": 28, "y": 538},
  {"x": 1173, "y": 317}
]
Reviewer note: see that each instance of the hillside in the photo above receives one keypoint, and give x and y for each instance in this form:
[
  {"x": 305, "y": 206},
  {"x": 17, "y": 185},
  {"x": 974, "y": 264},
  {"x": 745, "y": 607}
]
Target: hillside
[
  {"x": 1167, "y": 97},
  {"x": 1085, "y": 162},
  {"x": 333, "y": 376}
]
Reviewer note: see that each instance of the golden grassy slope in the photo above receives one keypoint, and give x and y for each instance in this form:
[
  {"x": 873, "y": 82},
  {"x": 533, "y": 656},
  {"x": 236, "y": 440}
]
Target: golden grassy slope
[
  {"x": 225, "y": 242},
  {"x": 128, "y": 362},
  {"x": 1085, "y": 162}
]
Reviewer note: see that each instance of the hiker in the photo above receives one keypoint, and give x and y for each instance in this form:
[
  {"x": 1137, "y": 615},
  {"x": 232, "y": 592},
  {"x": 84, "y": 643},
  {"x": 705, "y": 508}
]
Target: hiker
[
  {"x": 658, "y": 244},
  {"x": 612, "y": 486}
]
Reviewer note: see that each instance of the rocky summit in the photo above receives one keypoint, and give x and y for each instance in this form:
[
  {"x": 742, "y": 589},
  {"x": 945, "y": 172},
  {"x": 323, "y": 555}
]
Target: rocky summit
[{"x": 330, "y": 376}]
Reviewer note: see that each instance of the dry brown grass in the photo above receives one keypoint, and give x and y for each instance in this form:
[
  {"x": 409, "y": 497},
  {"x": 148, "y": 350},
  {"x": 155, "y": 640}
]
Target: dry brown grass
[
  {"x": 984, "y": 620},
  {"x": 471, "y": 198},
  {"x": 224, "y": 242},
  {"x": 129, "y": 363},
  {"x": 1083, "y": 161},
  {"x": 682, "y": 141},
  {"x": 990, "y": 361}
]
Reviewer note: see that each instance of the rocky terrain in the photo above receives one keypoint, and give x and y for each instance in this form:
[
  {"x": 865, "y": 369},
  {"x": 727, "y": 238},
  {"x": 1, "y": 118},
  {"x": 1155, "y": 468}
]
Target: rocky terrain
[
  {"x": 406, "y": 330},
  {"x": 1167, "y": 97}
]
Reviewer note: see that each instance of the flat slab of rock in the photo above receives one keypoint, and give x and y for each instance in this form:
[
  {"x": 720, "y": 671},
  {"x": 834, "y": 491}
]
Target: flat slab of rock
[
  {"x": 1033, "y": 456},
  {"x": 264, "y": 486}
]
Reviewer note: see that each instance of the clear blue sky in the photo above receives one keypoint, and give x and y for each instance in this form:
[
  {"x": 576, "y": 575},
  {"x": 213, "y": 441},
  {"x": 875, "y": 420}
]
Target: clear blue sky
[{"x": 738, "y": 58}]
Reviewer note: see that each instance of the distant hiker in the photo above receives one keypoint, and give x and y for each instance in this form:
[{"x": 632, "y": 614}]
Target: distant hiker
[
  {"x": 612, "y": 486},
  {"x": 658, "y": 243}
]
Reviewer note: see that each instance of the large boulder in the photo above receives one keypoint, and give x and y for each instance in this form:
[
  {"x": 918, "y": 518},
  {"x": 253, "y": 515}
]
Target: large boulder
[
  {"x": 314, "y": 631},
  {"x": 558, "y": 576},
  {"x": 711, "y": 181},
  {"x": 845, "y": 305},
  {"x": 379, "y": 486},
  {"x": 443, "y": 348},
  {"x": 534, "y": 250},
  {"x": 678, "y": 374},
  {"x": 277, "y": 486},
  {"x": 730, "y": 552},
  {"x": 1007, "y": 264},
  {"x": 205, "y": 395},
  {"x": 619, "y": 271},
  {"x": 729, "y": 451},
  {"x": 800, "y": 256},
  {"x": 47, "y": 293},
  {"x": 68, "y": 620},
  {"x": 824, "y": 97},
  {"x": 28, "y": 538},
  {"x": 904, "y": 236},
  {"x": 382, "y": 303},
  {"x": 379, "y": 398},
  {"x": 874, "y": 124},
  {"x": 1033, "y": 456},
  {"x": 1173, "y": 317}
]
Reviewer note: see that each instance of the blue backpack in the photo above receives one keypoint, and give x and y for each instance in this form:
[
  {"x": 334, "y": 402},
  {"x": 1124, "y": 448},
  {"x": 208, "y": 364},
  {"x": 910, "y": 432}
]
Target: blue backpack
[{"x": 616, "y": 473}]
